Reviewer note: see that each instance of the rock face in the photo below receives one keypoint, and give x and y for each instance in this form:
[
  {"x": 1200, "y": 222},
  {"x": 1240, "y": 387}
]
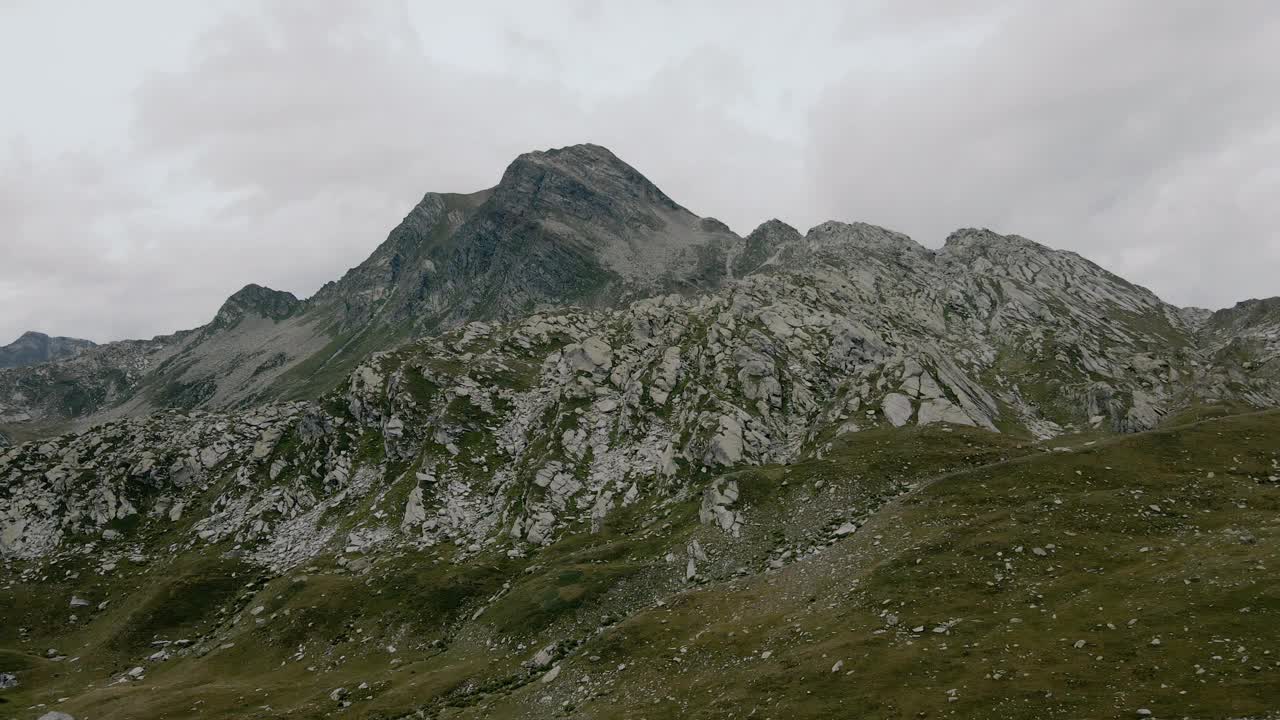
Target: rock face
[{"x": 33, "y": 348}]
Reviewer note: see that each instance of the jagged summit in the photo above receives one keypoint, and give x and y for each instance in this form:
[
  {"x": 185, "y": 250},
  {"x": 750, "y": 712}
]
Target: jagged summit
[
  {"x": 986, "y": 242},
  {"x": 257, "y": 300},
  {"x": 767, "y": 243},
  {"x": 865, "y": 237},
  {"x": 562, "y": 176},
  {"x": 774, "y": 227}
]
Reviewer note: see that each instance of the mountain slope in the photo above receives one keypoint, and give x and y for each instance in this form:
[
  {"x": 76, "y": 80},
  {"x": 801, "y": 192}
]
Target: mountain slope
[{"x": 934, "y": 570}]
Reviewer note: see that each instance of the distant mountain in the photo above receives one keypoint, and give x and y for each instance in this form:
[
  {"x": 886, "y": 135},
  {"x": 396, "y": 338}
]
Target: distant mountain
[{"x": 33, "y": 348}]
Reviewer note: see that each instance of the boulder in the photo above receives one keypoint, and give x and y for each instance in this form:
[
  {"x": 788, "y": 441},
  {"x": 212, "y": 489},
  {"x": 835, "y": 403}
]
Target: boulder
[
  {"x": 896, "y": 408},
  {"x": 726, "y": 445},
  {"x": 589, "y": 356}
]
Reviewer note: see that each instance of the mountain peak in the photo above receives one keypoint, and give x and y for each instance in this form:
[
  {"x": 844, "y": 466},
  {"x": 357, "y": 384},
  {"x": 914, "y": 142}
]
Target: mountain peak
[
  {"x": 983, "y": 240},
  {"x": 776, "y": 228},
  {"x": 34, "y": 347},
  {"x": 253, "y": 299},
  {"x": 582, "y": 180},
  {"x": 583, "y": 156},
  {"x": 866, "y": 236},
  {"x": 763, "y": 245}
]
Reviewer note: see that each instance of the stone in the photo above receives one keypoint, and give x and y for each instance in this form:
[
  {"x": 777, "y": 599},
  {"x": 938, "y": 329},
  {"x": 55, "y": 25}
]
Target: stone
[
  {"x": 545, "y": 656},
  {"x": 726, "y": 445},
  {"x": 414, "y": 512},
  {"x": 715, "y": 507},
  {"x": 896, "y": 408},
  {"x": 551, "y": 675},
  {"x": 338, "y": 694},
  {"x": 266, "y": 443},
  {"x": 666, "y": 376},
  {"x": 589, "y": 356},
  {"x": 941, "y": 410},
  {"x": 540, "y": 528}
]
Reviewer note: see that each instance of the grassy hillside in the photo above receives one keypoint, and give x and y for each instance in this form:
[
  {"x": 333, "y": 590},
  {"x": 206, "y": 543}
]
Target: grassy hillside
[{"x": 989, "y": 577}]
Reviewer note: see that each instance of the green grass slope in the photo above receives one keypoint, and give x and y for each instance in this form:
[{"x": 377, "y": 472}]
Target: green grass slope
[{"x": 989, "y": 578}]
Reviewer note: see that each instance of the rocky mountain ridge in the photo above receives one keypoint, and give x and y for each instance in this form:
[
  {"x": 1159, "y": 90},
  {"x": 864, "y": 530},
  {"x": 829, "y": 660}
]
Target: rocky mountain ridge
[{"x": 849, "y": 328}]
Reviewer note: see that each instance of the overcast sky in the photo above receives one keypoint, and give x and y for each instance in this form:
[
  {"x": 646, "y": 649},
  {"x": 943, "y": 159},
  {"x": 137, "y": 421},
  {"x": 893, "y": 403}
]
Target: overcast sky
[{"x": 157, "y": 156}]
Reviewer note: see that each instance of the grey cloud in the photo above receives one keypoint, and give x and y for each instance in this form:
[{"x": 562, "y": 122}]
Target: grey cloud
[
  {"x": 1136, "y": 133},
  {"x": 1143, "y": 135}
]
